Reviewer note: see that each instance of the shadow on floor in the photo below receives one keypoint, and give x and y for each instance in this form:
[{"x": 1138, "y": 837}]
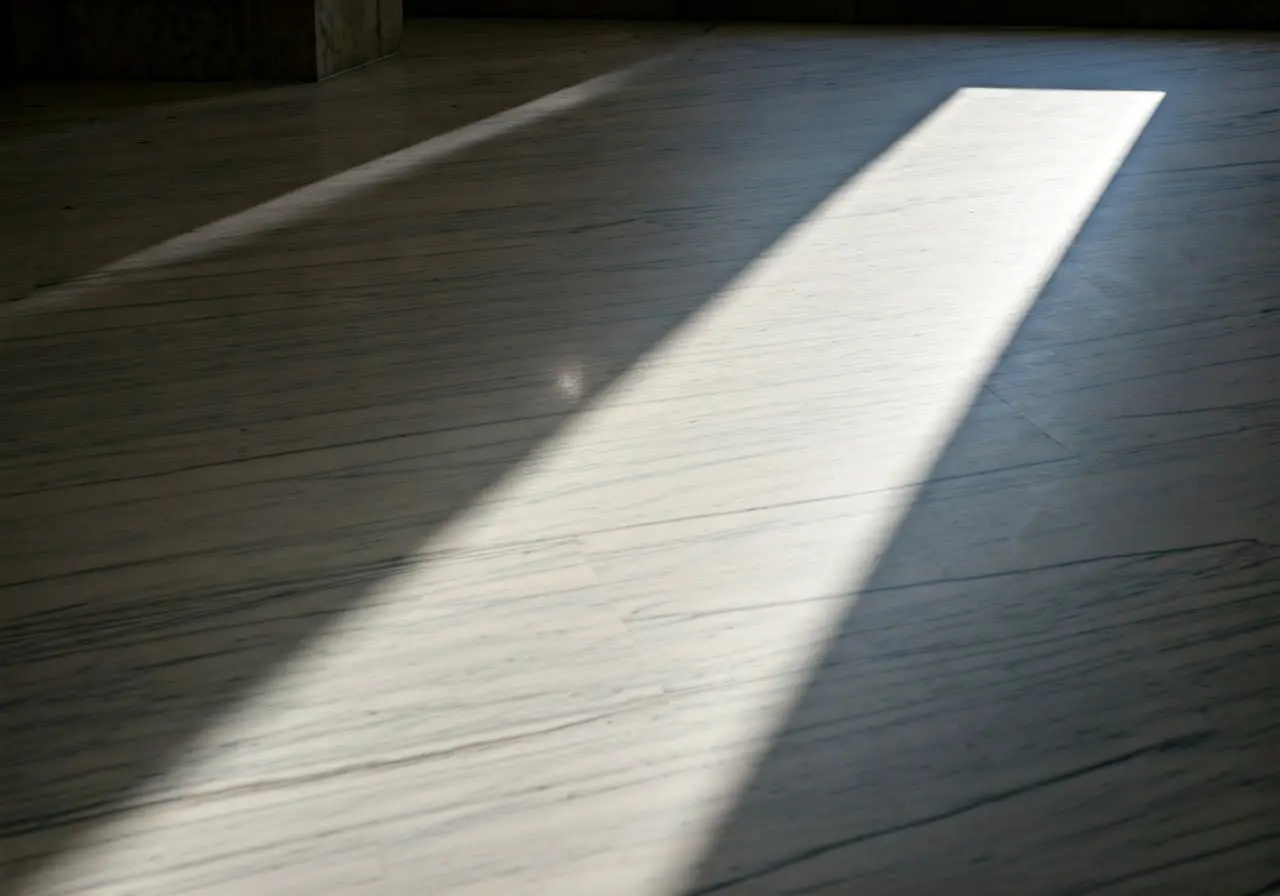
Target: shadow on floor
[
  {"x": 33, "y": 109},
  {"x": 1062, "y": 675},
  {"x": 1088, "y": 718}
]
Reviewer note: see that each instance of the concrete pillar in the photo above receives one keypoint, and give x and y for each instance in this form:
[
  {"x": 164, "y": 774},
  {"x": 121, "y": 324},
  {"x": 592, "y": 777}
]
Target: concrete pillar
[
  {"x": 350, "y": 33},
  {"x": 198, "y": 40}
]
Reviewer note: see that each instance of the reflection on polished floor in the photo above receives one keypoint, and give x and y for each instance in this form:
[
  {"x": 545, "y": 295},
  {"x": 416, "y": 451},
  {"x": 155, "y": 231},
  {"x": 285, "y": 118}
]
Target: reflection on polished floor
[{"x": 811, "y": 461}]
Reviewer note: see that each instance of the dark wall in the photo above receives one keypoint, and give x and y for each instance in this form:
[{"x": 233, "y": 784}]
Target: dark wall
[
  {"x": 280, "y": 38},
  {"x": 1098, "y": 13},
  {"x": 199, "y": 39},
  {"x": 7, "y": 62}
]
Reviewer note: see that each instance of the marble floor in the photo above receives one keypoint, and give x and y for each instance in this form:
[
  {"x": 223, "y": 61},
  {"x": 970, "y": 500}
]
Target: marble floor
[{"x": 649, "y": 461}]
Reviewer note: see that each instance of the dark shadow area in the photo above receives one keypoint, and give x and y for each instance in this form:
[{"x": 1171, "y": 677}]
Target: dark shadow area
[
  {"x": 195, "y": 40},
  {"x": 202, "y": 472},
  {"x": 198, "y": 40},
  {"x": 566, "y": 9},
  {"x": 92, "y": 173},
  {"x": 35, "y": 108},
  {"x": 8, "y": 61},
  {"x": 1062, "y": 676},
  {"x": 1229, "y": 14}
]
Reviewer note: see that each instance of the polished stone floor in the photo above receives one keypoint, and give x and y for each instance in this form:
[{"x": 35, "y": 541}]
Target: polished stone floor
[{"x": 648, "y": 461}]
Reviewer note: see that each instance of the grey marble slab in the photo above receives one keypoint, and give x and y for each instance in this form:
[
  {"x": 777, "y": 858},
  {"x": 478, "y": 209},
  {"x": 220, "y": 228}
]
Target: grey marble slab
[{"x": 831, "y": 462}]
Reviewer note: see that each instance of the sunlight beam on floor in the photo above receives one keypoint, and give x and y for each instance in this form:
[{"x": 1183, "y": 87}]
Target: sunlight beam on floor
[{"x": 566, "y": 691}]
